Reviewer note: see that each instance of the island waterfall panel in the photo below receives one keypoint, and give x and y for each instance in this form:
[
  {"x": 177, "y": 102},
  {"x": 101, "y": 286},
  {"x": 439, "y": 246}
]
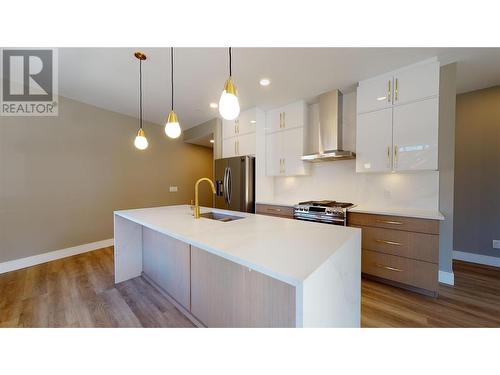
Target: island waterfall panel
[
  {"x": 166, "y": 261},
  {"x": 226, "y": 294}
]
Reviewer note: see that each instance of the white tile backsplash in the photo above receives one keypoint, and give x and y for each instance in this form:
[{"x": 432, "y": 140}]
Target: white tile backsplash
[{"x": 338, "y": 180}]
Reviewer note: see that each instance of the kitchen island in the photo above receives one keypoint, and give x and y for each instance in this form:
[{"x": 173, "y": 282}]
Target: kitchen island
[{"x": 257, "y": 271}]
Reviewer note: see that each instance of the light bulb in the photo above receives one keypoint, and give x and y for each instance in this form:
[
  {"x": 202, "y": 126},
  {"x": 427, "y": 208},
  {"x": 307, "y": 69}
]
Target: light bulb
[
  {"x": 229, "y": 106},
  {"x": 140, "y": 141},
  {"x": 172, "y": 127}
]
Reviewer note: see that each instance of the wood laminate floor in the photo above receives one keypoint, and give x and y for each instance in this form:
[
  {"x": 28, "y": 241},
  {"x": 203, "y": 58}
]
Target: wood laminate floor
[{"x": 79, "y": 291}]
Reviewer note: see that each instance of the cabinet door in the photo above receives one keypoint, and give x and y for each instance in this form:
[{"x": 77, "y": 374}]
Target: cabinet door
[
  {"x": 229, "y": 146},
  {"x": 292, "y": 141},
  {"x": 416, "y": 83},
  {"x": 416, "y": 136},
  {"x": 246, "y": 144},
  {"x": 246, "y": 122},
  {"x": 375, "y": 93},
  {"x": 228, "y": 128},
  {"x": 226, "y": 294},
  {"x": 273, "y": 120},
  {"x": 274, "y": 154},
  {"x": 374, "y": 141},
  {"x": 293, "y": 115},
  {"x": 167, "y": 262}
]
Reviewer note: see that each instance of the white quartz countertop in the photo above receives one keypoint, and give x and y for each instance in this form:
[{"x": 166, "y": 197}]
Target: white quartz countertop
[
  {"x": 288, "y": 250},
  {"x": 394, "y": 211}
]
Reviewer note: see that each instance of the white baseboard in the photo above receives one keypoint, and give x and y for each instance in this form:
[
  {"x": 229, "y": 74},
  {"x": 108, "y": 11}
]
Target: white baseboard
[
  {"x": 446, "y": 277},
  {"x": 17, "y": 264},
  {"x": 476, "y": 258}
]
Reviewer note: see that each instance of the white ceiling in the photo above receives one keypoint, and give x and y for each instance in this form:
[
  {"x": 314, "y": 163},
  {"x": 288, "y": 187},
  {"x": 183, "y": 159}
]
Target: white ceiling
[{"x": 108, "y": 77}]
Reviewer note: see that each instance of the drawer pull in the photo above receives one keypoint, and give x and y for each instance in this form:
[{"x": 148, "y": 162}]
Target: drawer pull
[
  {"x": 389, "y": 242},
  {"x": 274, "y": 210},
  {"x": 388, "y": 268},
  {"x": 390, "y": 222}
]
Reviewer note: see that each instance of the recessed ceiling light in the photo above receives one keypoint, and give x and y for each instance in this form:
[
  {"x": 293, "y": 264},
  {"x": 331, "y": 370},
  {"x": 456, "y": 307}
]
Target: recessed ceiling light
[
  {"x": 211, "y": 141},
  {"x": 253, "y": 122},
  {"x": 265, "y": 82},
  {"x": 213, "y": 105}
]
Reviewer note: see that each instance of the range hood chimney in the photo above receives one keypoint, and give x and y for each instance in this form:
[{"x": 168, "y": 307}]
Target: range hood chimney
[{"x": 323, "y": 133}]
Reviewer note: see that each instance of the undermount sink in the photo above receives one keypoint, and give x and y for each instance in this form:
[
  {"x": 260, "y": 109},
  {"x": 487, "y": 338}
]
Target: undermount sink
[{"x": 220, "y": 217}]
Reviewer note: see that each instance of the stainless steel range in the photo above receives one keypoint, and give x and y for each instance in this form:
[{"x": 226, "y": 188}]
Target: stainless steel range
[{"x": 331, "y": 212}]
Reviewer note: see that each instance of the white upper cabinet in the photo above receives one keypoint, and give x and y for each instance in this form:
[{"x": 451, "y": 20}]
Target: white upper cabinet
[
  {"x": 375, "y": 93},
  {"x": 287, "y": 117},
  {"x": 374, "y": 141},
  {"x": 239, "y": 135},
  {"x": 415, "y": 136},
  {"x": 416, "y": 83},
  {"x": 246, "y": 144},
  {"x": 285, "y": 140},
  {"x": 292, "y": 150},
  {"x": 400, "y": 134},
  {"x": 274, "y": 155},
  {"x": 229, "y": 128},
  {"x": 229, "y": 147}
]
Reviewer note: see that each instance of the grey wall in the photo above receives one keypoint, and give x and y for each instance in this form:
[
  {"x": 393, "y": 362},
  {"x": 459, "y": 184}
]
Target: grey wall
[
  {"x": 477, "y": 172},
  {"x": 447, "y": 100},
  {"x": 62, "y": 177}
]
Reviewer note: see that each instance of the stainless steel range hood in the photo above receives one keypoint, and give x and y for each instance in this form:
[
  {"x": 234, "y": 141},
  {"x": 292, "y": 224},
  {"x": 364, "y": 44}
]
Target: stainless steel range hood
[{"x": 323, "y": 133}]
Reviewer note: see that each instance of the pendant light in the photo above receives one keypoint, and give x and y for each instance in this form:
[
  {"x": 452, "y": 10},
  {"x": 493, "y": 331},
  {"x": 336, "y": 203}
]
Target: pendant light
[
  {"x": 229, "y": 107},
  {"x": 172, "y": 127},
  {"x": 140, "y": 142}
]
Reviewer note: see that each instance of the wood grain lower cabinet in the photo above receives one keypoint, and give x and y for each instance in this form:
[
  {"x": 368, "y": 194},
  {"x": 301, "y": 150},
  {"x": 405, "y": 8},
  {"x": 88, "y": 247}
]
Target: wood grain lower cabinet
[
  {"x": 274, "y": 210},
  {"x": 412, "y": 272},
  {"x": 167, "y": 262},
  {"x": 399, "y": 249},
  {"x": 226, "y": 294}
]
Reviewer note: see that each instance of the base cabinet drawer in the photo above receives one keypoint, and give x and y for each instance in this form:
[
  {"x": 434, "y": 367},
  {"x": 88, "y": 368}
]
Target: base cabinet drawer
[
  {"x": 403, "y": 270},
  {"x": 226, "y": 294},
  {"x": 274, "y": 210},
  {"x": 394, "y": 222},
  {"x": 419, "y": 246}
]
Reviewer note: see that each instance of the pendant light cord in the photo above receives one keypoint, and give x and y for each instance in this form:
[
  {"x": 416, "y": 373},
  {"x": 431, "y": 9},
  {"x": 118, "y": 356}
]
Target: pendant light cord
[
  {"x": 140, "y": 93},
  {"x": 172, "y": 73},
  {"x": 230, "y": 63}
]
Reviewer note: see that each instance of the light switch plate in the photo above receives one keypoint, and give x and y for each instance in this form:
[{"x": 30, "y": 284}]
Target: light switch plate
[
  {"x": 173, "y": 189},
  {"x": 496, "y": 244}
]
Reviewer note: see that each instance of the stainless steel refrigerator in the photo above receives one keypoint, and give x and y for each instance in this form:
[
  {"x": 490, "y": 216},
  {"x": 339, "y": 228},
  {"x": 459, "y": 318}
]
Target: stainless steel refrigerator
[{"x": 235, "y": 183}]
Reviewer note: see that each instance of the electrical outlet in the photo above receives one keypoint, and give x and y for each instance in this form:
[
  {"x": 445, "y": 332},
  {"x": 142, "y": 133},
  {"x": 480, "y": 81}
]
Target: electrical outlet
[
  {"x": 496, "y": 244},
  {"x": 173, "y": 189}
]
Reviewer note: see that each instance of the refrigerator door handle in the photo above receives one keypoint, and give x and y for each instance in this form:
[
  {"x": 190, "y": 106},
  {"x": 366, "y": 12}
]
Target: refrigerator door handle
[
  {"x": 229, "y": 187},
  {"x": 225, "y": 189}
]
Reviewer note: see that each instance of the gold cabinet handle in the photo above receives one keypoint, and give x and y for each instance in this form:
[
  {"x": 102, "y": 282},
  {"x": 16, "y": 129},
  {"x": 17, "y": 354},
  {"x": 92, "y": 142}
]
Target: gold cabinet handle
[
  {"x": 281, "y": 120},
  {"x": 284, "y": 121},
  {"x": 389, "y": 242},
  {"x": 390, "y": 222},
  {"x": 395, "y": 156},
  {"x": 396, "y": 90},
  {"x": 235, "y": 152},
  {"x": 389, "y": 91},
  {"x": 284, "y": 167},
  {"x": 388, "y": 156},
  {"x": 388, "y": 268}
]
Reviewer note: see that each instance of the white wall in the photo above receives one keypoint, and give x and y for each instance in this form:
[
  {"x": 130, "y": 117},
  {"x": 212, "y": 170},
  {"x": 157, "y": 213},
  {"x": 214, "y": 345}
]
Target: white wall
[{"x": 338, "y": 179}]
